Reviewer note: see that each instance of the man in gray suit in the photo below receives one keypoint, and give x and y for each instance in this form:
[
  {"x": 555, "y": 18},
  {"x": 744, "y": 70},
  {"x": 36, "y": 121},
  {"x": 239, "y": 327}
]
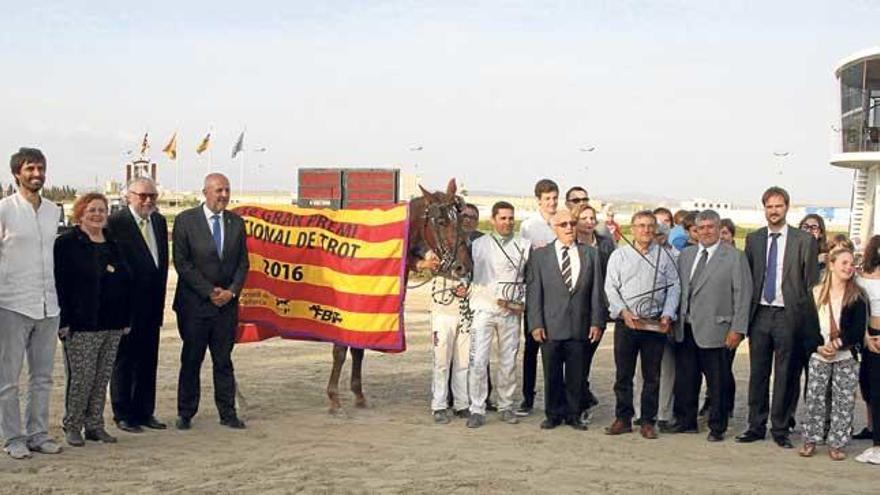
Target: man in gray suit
[
  {"x": 716, "y": 293},
  {"x": 211, "y": 259},
  {"x": 783, "y": 262},
  {"x": 565, "y": 310}
]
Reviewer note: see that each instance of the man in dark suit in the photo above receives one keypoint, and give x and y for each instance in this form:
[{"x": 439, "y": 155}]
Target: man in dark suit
[
  {"x": 716, "y": 294},
  {"x": 565, "y": 310},
  {"x": 782, "y": 260},
  {"x": 211, "y": 259},
  {"x": 142, "y": 235}
]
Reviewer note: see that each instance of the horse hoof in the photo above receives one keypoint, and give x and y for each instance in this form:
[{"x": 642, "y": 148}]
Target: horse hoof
[
  {"x": 361, "y": 403},
  {"x": 337, "y": 412}
]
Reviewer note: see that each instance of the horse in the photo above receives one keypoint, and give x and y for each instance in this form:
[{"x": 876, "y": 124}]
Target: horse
[{"x": 435, "y": 225}]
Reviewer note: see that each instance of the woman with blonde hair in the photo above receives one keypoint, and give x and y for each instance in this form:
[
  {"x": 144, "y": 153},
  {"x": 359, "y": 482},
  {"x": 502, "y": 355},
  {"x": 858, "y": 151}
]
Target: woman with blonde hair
[{"x": 842, "y": 317}]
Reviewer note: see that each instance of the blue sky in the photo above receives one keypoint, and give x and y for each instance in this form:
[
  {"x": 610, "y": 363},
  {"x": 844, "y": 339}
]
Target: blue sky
[{"x": 681, "y": 98}]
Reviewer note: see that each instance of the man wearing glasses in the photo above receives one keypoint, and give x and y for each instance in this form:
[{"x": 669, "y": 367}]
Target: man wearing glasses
[
  {"x": 565, "y": 311},
  {"x": 643, "y": 290},
  {"x": 142, "y": 235}
]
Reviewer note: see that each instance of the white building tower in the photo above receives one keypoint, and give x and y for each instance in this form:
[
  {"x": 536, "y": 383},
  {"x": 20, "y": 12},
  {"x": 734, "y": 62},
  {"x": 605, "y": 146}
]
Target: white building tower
[{"x": 857, "y": 138}]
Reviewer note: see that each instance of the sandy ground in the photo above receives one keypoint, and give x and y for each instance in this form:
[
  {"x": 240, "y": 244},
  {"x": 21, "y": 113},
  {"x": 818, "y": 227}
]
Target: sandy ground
[{"x": 293, "y": 445}]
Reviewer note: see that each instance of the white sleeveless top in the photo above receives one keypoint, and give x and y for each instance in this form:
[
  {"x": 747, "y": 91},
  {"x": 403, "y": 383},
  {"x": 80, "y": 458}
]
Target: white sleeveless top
[{"x": 871, "y": 286}]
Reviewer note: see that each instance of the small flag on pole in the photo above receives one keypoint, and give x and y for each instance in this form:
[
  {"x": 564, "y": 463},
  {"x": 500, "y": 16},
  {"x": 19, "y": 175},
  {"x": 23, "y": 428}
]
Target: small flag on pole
[
  {"x": 170, "y": 149},
  {"x": 145, "y": 145},
  {"x": 239, "y": 145},
  {"x": 203, "y": 146}
]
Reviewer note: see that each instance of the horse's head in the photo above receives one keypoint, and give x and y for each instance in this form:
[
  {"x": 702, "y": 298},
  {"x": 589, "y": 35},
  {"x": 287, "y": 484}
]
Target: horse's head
[{"x": 436, "y": 225}]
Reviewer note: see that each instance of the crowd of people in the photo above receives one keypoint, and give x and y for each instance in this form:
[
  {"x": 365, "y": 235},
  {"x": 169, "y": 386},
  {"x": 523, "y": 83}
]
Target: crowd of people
[
  {"x": 680, "y": 294},
  {"x": 682, "y": 298},
  {"x": 99, "y": 288}
]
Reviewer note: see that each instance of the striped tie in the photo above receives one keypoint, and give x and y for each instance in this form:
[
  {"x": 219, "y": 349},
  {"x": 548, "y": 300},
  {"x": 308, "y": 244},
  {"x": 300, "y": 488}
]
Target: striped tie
[{"x": 566, "y": 268}]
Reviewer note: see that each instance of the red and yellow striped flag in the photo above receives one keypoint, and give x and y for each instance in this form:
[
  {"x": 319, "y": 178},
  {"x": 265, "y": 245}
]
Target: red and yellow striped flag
[{"x": 327, "y": 275}]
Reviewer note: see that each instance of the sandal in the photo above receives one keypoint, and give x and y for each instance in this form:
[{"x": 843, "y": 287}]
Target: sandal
[
  {"x": 808, "y": 450},
  {"x": 836, "y": 454}
]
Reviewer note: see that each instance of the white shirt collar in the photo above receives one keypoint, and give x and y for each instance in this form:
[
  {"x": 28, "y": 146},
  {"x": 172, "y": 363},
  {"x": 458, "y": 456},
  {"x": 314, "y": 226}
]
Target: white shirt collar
[
  {"x": 210, "y": 214},
  {"x": 782, "y": 233}
]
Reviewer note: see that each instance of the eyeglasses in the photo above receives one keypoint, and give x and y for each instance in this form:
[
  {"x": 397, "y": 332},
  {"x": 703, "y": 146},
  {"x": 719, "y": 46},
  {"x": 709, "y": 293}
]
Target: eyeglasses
[
  {"x": 469, "y": 216},
  {"x": 145, "y": 196},
  {"x": 810, "y": 227},
  {"x": 579, "y": 200},
  {"x": 562, "y": 225}
]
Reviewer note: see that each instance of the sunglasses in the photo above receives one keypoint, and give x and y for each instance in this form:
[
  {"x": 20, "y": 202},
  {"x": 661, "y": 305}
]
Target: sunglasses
[
  {"x": 145, "y": 196},
  {"x": 578, "y": 201},
  {"x": 571, "y": 224}
]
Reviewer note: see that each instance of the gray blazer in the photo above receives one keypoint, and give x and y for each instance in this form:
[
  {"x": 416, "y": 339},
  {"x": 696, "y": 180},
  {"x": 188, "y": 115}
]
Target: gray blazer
[
  {"x": 720, "y": 296},
  {"x": 562, "y": 314}
]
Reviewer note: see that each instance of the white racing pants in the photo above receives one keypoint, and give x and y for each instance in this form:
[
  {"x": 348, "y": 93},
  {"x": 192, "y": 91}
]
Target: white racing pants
[
  {"x": 505, "y": 327},
  {"x": 451, "y": 350}
]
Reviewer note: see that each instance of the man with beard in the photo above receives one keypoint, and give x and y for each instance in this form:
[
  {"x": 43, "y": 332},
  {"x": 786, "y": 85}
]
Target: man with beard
[
  {"x": 29, "y": 311},
  {"x": 142, "y": 235},
  {"x": 782, "y": 260}
]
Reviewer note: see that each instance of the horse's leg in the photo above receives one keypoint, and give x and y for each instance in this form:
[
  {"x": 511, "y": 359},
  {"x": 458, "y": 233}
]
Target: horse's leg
[
  {"x": 333, "y": 385},
  {"x": 357, "y": 361}
]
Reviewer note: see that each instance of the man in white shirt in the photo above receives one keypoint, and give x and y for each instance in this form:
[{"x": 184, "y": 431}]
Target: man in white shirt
[
  {"x": 538, "y": 231},
  {"x": 497, "y": 298},
  {"x": 29, "y": 309}
]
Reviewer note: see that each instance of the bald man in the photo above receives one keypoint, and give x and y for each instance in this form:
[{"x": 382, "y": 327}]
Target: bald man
[{"x": 211, "y": 259}]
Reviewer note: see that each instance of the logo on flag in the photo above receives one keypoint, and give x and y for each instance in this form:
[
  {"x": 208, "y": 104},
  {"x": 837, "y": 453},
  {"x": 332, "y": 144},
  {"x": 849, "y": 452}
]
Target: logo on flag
[{"x": 326, "y": 275}]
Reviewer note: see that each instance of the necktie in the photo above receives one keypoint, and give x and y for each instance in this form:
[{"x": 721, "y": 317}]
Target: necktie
[
  {"x": 216, "y": 232},
  {"x": 770, "y": 274},
  {"x": 566, "y": 268},
  {"x": 701, "y": 265},
  {"x": 144, "y": 227}
]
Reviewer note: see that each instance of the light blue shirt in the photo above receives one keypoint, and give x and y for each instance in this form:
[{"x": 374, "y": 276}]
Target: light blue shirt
[{"x": 630, "y": 278}]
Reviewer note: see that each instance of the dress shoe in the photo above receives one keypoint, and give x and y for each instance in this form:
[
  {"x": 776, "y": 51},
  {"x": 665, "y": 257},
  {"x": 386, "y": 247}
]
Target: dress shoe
[
  {"x": 619, "y": 427},
  {"x": 233, "y": 422},
  {"x": 100, "y": 435},
  {"x": 577, "y": 424},
  {"x": 865, "y": 434},
  {"x": 128, "y": 426},
  {"x": 154, "y": 424},
  {"x": 749, "y": 436},
  {"x": 784, "y": 442},
  {"x": 183, "y": 423},
  {"x": 647, "y": 430},
  {"x": 715, "y": 436},
  {"x": 683, "y": 428},
  {"x": 549, "y": 424},
  {"x": 74, "y": 438}
]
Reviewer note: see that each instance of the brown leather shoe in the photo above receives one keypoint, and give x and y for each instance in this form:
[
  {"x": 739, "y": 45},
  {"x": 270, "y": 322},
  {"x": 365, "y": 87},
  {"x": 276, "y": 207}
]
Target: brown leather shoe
[
  {"x": 648, "y": 431},
  {"x": 619, "y": 427}
]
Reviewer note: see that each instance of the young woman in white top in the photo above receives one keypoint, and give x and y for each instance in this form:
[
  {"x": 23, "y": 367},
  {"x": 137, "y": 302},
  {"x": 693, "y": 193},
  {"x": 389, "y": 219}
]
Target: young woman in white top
[
  {"x": 869, "y": 374},
  {"x": 842, "y": 315}
]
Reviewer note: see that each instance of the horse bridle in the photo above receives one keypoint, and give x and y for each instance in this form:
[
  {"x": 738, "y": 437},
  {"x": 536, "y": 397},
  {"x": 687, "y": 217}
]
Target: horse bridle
[{"x": 435, "y": 218}]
